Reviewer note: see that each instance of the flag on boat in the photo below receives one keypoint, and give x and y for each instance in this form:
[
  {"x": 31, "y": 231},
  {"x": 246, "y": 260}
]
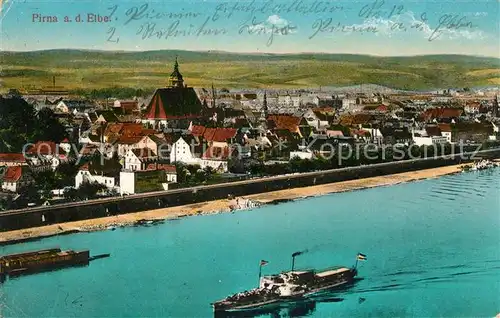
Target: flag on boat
[
  {"x": 361, "y": 257},
  {"x": 263, "y": 262}
]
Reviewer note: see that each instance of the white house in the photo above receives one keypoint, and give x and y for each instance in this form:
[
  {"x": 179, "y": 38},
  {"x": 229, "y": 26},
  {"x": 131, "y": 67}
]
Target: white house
[
  {"x": 315, "y": 119},
  {"x": 446, "y": 131},
  {"x": 289, "y": 100},
  {"x": 429, "y": 140},
  {"x": 428, "y": 137},
  {"x": 73, "y": 106},
  {"x": 216, "y": 158},
  {"x": 65, "y": 145},
  {"x": 184, "y": 150},
  {"x": 170, "y": 172},
  {"x": 139, "y": 159},
  {"x": 16, "y": 178},
  {"x": 348, "y": 102},
  {"x": 129, "y": 179},
  {"x": 376, "y": 135},
  {"x": 86, "y": 175},
  {"x": 306, "y": 154}
]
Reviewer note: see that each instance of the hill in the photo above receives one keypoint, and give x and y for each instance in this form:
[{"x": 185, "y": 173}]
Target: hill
[{"x": 80, "y": 69}]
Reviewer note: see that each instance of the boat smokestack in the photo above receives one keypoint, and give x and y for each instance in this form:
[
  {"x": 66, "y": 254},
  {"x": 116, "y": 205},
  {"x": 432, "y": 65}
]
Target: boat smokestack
[{"x": 295, "y": 255}]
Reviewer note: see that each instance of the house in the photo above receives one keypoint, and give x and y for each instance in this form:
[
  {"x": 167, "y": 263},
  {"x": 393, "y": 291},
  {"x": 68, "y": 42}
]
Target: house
[
  {"x": 220, "y": 136},
  {"x": 356, "y": 120},
  {"x": 431, "y": 135},
  {"x": 472, "y": 131},
  {"x": 125, "y": 143},
  {"x": 288, "y": 100},
  {"x": 334, "y": 134},
  {"x": 361, "y": 135},
  {"x": 16, "y": 178},
  {"x": 375, "y": 134},
  {"x": 148, "y": 180},
  {"x": 89, "y": 150},
  {"x": 287, "y": 122},
  {"x": 113, "y": 131},
  {"x": 104, "y": 116},
  {"x": 395, "y": 135},
  {"x": 74, "y": 106},
  {"x": 163, "y": 145},
  {"x": 216, "y": 157},
  {"x": 106, "y": 173},
  {"x": 472, "y": 107},
  {"x": 140, "y": 159},
  {"x": 316, "y": 119},
  {"x": 441, "y": 113},
  {"x": 12, "y": 159},
  {"x": 186, "y": 149},
  {"x": 65, "y": 145},
  {"x": 301, "y": 154},
  {"x": 325, "y": 100},
  {"x": 446, "y": 131},
  {"x": 170, "y": 172},
  {"x": 125, "y": 106},
  {"x": 46, "y": 154}
]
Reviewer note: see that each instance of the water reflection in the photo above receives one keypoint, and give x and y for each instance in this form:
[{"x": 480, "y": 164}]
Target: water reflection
[{"x": 300, "y": 309}]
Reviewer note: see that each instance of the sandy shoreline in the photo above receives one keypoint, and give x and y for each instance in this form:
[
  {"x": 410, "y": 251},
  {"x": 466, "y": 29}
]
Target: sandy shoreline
[{"x": 220, "y": 206}]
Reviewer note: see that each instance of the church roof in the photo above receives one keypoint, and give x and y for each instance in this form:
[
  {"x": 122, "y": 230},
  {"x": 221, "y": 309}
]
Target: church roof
[{"x": 174, "y": 103}]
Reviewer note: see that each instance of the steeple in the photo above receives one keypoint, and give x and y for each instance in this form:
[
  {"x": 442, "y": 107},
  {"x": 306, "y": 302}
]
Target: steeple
[
  {"x": 496, "y": 105},
  {"x": 264, "y": 105},
  {"x": 264, "y": 112},
  {"x": 214, "y": 96},
  {"x": 176, "y": 79}
]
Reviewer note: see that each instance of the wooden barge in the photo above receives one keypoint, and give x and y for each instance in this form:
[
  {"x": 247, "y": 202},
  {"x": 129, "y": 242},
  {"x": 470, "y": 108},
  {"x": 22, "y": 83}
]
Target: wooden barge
[{"x": 39, "y": 261}]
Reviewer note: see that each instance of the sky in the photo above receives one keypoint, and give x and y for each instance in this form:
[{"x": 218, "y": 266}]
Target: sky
[{"x": 376, "y": 27}]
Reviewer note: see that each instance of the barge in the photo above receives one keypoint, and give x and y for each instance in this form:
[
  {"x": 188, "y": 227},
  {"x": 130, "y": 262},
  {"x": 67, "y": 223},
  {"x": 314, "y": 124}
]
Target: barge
[{"x": 43, "y": 260}]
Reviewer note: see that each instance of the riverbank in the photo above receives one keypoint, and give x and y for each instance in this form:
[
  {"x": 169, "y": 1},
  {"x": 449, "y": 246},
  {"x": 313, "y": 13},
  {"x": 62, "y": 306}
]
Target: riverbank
[{"x": 220, "y": 206}]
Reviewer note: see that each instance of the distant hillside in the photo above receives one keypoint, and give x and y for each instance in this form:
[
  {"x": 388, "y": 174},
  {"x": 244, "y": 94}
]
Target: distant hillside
[{"x": 98, "y": 69}]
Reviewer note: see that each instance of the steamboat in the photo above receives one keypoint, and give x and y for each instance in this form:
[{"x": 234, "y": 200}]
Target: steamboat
[{"x": 290, "y": 286}]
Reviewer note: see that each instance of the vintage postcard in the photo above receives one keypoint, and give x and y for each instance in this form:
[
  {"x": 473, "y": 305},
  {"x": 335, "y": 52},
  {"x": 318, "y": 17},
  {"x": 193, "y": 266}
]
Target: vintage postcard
[{"x": 249, "y": 158}]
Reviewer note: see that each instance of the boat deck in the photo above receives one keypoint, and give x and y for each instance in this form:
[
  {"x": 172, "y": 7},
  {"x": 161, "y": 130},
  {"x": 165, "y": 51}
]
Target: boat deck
[{"x": 332, "y": 272}]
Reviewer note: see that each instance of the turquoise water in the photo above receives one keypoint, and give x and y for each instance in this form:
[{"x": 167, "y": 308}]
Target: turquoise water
[{"x": 433, "y": 250}]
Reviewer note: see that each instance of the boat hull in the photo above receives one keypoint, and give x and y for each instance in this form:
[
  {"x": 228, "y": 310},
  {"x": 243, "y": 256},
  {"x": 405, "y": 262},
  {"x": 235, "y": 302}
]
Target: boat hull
[{"x": 245, "y": 307}]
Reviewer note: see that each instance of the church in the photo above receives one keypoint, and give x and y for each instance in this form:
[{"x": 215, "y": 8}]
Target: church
[{"x": 174, "y": 106}]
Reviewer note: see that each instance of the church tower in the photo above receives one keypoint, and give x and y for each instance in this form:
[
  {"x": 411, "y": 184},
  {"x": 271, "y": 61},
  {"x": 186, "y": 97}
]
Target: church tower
[
  {"x": 176, "y": 79},
  {"x": 214, "y": 96},
  {"x": 264, "y": 112},
  {"x": 496, "y": 106}
]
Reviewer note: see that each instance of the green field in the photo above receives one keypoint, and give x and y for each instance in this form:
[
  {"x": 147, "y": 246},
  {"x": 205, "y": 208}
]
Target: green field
[{"x": 78, "y": 69}]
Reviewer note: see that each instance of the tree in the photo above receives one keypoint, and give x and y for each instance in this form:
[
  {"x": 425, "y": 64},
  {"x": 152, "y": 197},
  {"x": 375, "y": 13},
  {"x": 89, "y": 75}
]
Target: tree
[
  {"x": 65, "y": 174},
  {"x": 31, "y": 194},
  {"x": 5, "y": 203},
  {"x": 70, "y": 193},
  {"x": 17, "y": 123},
  {"x": 48, "y": 127},
  {"x": 182, "y": 173},
  {"x": 89, "y": 190}
]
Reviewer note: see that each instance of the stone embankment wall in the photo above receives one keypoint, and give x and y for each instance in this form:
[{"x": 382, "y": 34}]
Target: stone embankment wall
[{"x": 39, "y": 216}]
